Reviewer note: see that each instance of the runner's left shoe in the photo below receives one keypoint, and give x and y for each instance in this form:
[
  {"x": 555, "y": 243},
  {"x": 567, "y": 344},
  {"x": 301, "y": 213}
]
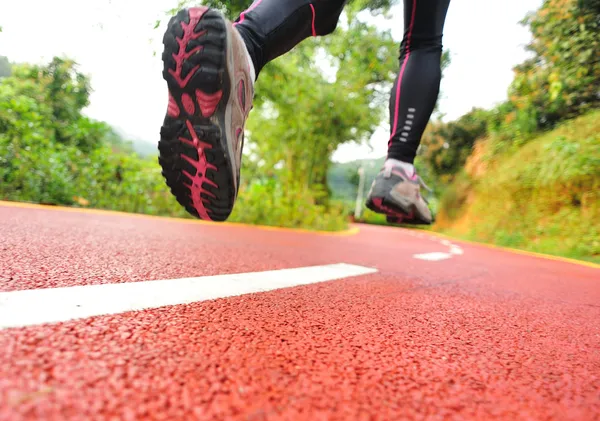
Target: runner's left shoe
[{"x": 211, "y": 89}]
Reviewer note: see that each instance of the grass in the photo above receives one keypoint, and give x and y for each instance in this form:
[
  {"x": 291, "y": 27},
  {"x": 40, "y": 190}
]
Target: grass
[{"x": 542, "y": 197}]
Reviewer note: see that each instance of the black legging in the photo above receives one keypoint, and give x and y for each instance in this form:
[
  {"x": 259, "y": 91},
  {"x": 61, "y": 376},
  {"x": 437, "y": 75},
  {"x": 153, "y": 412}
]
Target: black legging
[{"x": 271, "y": 28}]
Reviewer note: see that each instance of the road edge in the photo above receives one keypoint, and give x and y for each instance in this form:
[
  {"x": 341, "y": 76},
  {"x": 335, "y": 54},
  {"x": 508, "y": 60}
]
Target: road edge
[
  {"x": 353, "y": 230},
  {"x": 518, "y": 251}
]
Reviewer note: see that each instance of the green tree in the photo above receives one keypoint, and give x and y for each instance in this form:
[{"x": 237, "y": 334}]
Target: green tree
[
  {"x": 40, "y": 111},
  {"x": 326, "y": 92},
  {"x": 61, "y": 93},
  {"x": 306, "y": 107},
  {"x": 445, "y": 147},
  {"x": 558, "y": 82},
  {"x": 561, "y": 79},
  {"x": 50, "y": 153},
  {"x": 233, "y": 8}
]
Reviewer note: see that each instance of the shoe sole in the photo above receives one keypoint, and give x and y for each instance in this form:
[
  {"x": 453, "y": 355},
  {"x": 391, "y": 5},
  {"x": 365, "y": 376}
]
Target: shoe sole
[
  {"x": 401, "y": 214},
  {"x": 194, "y": 151}
]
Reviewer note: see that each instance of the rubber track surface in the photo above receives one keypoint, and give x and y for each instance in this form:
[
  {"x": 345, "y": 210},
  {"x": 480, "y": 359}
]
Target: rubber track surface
[{"x": 484, "y": 335}]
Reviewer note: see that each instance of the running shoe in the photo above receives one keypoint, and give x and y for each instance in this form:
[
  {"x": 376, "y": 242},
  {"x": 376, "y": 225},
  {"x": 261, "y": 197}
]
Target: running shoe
[
  {"x": 208, "y": 75},
  {"x": 398, "y": 195}
]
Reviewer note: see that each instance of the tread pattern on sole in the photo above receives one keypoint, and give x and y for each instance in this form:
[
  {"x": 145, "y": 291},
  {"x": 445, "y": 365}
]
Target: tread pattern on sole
[
  {"x": 194, "y": 162},
  {"x": 380, "y": 201},
  {"x": 392, "y": 211}
]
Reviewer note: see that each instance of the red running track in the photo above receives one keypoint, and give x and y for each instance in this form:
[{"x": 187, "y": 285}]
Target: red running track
[{"x": 484, "y": 335}]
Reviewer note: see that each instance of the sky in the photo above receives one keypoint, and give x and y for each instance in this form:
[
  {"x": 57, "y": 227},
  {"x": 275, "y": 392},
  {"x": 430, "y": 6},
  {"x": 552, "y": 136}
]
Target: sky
[{"x": 115, "y": 43}]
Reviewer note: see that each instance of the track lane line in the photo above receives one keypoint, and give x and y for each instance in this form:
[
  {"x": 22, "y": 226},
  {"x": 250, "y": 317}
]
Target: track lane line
[
  {"x": 453, "y": 250},
  {"x": 433, "y": 256},
  {"x": 51, "y": 305}
]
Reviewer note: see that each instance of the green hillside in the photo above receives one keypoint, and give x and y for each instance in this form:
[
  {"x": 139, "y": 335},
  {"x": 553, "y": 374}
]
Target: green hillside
[{"x": 542, "y": 197}]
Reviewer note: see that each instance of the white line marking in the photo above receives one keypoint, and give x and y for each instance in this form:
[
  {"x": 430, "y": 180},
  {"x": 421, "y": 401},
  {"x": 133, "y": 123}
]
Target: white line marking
[
  {"x": 435, "y": 256},
  {"x": 455, "y": 249},
  {"x": 51, "y": 305}
]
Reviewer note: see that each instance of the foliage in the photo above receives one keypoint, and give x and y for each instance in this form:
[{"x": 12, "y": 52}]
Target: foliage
[
  {"x": 233, "y": 8},
  {"x": 51, "y": 153},
  {"x": 275, "y": 204},
  {"x": 325, "y": 92},
  {"x": 52, "y": 97},
  {"x": 561, "y": 79},
  {"x": 302, "y": 114},
  {"x": 506, "y": 182},
  {"x": 446, "y": 146},
  {"x": 522, "y": 188},
  {"x": 41, "y": 105},
  {"x": 543, "y": 197}
]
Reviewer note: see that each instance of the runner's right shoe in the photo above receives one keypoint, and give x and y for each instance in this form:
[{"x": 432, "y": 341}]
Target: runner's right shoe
[
  {"x": 398, "y": 195},
  {"x": 211, "y": 89}
]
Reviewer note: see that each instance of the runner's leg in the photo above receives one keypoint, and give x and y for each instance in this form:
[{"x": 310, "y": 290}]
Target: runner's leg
[
  {"x": 396, "y": 191},
  {"x": 271, "y": 28},
  {"x": 416, "y": 89}
]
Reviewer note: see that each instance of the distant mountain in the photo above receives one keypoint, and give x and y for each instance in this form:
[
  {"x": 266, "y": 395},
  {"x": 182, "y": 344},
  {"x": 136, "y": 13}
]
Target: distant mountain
[
  {"x": 5, "y": 67},
  {"x": 145, "y": 148},
  {"x": 140, "y": 146}
]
